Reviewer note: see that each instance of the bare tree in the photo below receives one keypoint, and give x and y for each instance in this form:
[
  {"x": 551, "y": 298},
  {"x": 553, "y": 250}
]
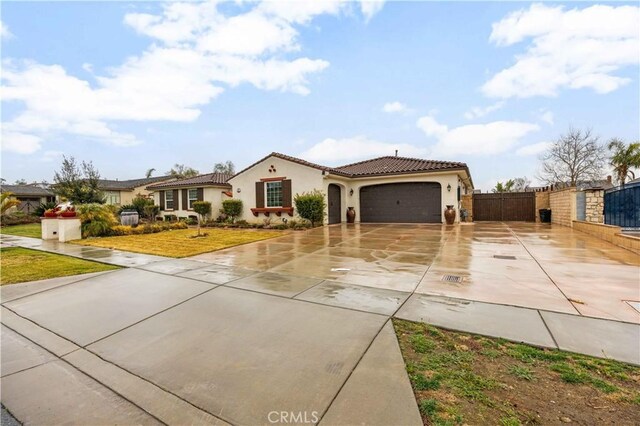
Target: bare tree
[
  {"x": 521, "y": 184},
  {"x": 226, "y": 167},
  {"x": 574, "y": 157},
  {"x": 180, "y": 171}
]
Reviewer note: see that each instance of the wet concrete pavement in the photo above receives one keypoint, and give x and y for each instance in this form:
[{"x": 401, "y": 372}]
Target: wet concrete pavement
[{"x": 300, "y": 324}]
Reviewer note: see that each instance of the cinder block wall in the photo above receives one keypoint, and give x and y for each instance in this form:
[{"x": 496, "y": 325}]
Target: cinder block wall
[
  {"x": 466, "y": 202},
  {"x": 542, "y": 202},
  {"x": 594, "y": 205},
  {"x": 610, "y": 233},
  {"x": 563, "y": 206}
]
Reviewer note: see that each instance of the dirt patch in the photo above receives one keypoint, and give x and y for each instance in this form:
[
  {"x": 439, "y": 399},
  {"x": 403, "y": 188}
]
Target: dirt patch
[{"x": 460, "y": 378}]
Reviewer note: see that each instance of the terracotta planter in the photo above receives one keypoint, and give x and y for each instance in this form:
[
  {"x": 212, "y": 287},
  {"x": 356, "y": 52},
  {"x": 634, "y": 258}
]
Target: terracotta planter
[
  {"x": 450, "y": 215},
  {"x": 50, "y": 215},
  {"x": 351, "y": 215},
  {"x": 68, "y": 214}
]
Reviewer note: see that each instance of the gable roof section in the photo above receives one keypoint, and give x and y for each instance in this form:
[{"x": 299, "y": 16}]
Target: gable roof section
[
  {"x": 130, "y": 184},
  {"x": 397, "y": 165},
  {"x": 209, "y": 179},
  {"x": 33, "y": 190},
  {"x": 380, "y": 166},
  {"x": 293, "y": 160}
]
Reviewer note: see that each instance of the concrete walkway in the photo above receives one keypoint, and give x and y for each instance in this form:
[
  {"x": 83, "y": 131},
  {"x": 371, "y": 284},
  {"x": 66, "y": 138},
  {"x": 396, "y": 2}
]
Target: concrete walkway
[{"x": 291, "y": 330}]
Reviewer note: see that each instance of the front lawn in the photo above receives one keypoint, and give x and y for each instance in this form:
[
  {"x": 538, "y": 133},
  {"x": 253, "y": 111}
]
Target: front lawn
[
  {"x": 29, "y": 230},
  {"x": 460, "y": 378},
  {"x": 21, "y": 265},
  {"x": 180, "y": 243}
]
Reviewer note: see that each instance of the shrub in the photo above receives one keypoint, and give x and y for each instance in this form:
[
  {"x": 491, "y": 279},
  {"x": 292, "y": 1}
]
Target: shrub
[
  {"x": 148, "y": 228},
  {"x": 203, "y": 208},
  {"x": 126, "y": 207},
  {"x": 232, "y": 208},
  {"x": 139, "y": 203},
  {"x": 97, "y": 220},
  {"x": 39, "y": 211},
  {"x": 18, "y": 218},
  {"x": 310, "y": 206},
  {"x": 151, "y": 211}
]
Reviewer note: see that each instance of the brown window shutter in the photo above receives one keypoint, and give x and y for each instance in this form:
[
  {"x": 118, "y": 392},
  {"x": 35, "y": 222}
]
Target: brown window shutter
[
  {"x": 200, "y": 194},
  {"x": 259, "y": 195},
  {"x": 185, "y": 199},
  {"x": 286, "y": 193},
  {"x": 161, "y": 200},
  {"x": 176, "y": 206}
]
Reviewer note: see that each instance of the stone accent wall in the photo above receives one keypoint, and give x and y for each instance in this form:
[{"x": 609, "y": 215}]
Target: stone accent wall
[
  {"x": 563, "y": 206},
  {"x": 466, "y": 202},
  {"x": 595, "y": 205},
  {"x": 609, "y": 233},
  {"x": 542, "y": 202}
]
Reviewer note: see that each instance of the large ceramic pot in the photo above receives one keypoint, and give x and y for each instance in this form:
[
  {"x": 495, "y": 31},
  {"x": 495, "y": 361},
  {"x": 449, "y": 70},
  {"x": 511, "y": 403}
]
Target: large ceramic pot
[
  {"x": 450, "y": 215},
  {"x": 351, "y": 215}
]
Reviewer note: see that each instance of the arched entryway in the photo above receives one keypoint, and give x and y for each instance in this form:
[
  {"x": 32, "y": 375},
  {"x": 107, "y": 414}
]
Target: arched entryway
[{"x": 335, "y": 203}]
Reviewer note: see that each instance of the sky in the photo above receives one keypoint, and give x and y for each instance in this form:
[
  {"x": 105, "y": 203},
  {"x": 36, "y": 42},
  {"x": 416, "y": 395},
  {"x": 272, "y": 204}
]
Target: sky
[{"x": 137, "y": 85}]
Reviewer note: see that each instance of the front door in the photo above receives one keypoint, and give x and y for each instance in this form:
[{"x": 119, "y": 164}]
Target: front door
[{"x": 335, "y": 210}]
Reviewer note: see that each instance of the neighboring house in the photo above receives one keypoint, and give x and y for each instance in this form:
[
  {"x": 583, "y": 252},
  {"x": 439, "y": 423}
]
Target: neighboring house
[
  {"x": 122, "y": 192},
  {"x": 30, "y": 196},
  {"x": 384, "y": 190},
  {"x": 176, "y": 198}
]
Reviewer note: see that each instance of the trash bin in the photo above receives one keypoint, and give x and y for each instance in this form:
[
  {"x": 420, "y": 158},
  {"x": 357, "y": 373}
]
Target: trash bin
[
  {"x": 545, "y": 215},
  {"x": 129, "y": 217}
]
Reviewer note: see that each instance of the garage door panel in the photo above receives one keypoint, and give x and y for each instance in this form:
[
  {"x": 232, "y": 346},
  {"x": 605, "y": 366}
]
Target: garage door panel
[{"x": 412, "y": 202}]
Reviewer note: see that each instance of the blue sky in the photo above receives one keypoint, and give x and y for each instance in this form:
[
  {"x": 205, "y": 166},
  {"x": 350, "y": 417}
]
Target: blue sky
[{"x": 133, "y": 86}]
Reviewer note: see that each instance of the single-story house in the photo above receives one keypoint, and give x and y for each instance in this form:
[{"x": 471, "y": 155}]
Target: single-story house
[
  {"x": 388, "y": 189},
  {"x": 122, "y": 192},
  {"x": 176, "y": 197},
  {"x": 30, "y": 196}
]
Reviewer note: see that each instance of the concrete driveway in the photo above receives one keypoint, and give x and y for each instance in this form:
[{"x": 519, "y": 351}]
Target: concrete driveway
[{"x": 296, "y": 330}]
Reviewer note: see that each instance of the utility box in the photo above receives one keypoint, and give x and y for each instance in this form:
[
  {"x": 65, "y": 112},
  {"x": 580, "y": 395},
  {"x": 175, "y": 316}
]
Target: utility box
[
  {"x": 69, "y": 229},
  {"x": 49, "y": 228}
]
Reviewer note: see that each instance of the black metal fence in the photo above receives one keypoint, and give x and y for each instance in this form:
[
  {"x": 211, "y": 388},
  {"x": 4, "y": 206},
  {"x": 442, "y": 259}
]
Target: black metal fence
[{"x": 622, "y": 206}]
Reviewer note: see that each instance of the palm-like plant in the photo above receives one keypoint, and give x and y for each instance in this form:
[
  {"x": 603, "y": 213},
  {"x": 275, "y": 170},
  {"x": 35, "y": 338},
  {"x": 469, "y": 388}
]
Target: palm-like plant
[
  {"x": 7, "y": 202},
  {"x": 623, "y": 158}
]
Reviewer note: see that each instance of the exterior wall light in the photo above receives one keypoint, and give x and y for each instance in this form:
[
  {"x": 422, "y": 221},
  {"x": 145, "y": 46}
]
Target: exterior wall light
[
  {"x": 238, "y": 190},
  {"x": 449, "y": 187},
  {"x": 351, "y": 192}
]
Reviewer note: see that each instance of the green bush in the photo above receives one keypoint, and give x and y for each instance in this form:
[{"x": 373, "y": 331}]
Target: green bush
[
  {"x": 151, "y": 211},
  {"x": 97, "y": 219},
  {"x": 310, "y": 206},
  {"x": 39, "y": 211},
  {"x": 232, "y": 208},
  {"x": 148, "y": 228},
  {"x": 18, "y": 218},
  {"x": 139, "y": 203}
]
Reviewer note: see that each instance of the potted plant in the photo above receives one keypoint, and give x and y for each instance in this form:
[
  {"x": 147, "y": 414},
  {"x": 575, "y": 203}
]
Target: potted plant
[
  {"x": 70, "y": 212},
  {"x": 50, "y": 213}
]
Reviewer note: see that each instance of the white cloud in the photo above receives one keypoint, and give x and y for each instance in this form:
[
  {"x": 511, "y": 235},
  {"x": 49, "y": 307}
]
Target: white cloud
[
  {"x": 19, "y": 143},
  {"x": 197, "y": 53},
  {"x": 392, "y": 107},
  {"x": 576, "y": 48},
  {"x": 546, "y": 116},
  {"x": 4, "y": 31},
  {"x": 533, "y": 149},
  {"x": 50, "y": 156},
  {"x": 339, "y": 151},
  {"x": 475, "y": 139},
  {"x": 370, "y": 7},
  {"x": 477, "y": 112}
]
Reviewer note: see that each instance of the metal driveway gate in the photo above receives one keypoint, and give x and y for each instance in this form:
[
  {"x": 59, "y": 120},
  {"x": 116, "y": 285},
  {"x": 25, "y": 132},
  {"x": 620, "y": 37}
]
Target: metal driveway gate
[
  {"x": 622, "y": 206},
  {"x": 505, "y": 206}
]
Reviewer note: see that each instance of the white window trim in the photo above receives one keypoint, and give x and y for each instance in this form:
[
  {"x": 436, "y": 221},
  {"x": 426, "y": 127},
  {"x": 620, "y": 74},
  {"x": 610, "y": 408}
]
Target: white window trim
[
  {"x": 166, "y": 205},
  {"x": 189, "y": 199},
  {"x": 266, "y": 195}
]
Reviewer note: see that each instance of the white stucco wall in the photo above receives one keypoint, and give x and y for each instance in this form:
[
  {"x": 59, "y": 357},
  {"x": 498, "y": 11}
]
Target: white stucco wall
[
  {"x": 212, "y": 194},
  {"x": 303, "y": 179}
]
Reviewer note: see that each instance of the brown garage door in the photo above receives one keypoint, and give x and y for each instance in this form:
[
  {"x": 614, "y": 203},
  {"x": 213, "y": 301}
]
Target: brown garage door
[{"x": 412, "y": 202}]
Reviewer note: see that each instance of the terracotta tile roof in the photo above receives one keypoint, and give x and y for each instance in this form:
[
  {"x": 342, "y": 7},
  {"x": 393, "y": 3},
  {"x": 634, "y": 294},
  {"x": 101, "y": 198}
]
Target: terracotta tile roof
[
  {"x": 209, "y": 179},
  {"x": 123, "y": 185},
  {"x": 391, "y": 165}
]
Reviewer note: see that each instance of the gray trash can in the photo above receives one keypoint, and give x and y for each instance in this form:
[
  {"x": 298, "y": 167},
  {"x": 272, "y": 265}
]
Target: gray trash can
[
  {"x": 545, "y": 215},
  {"x": 129, "y": 218}
]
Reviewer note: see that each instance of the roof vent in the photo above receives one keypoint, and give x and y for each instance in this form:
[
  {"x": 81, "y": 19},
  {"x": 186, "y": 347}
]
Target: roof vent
[{"x": 396, "y": 152}]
